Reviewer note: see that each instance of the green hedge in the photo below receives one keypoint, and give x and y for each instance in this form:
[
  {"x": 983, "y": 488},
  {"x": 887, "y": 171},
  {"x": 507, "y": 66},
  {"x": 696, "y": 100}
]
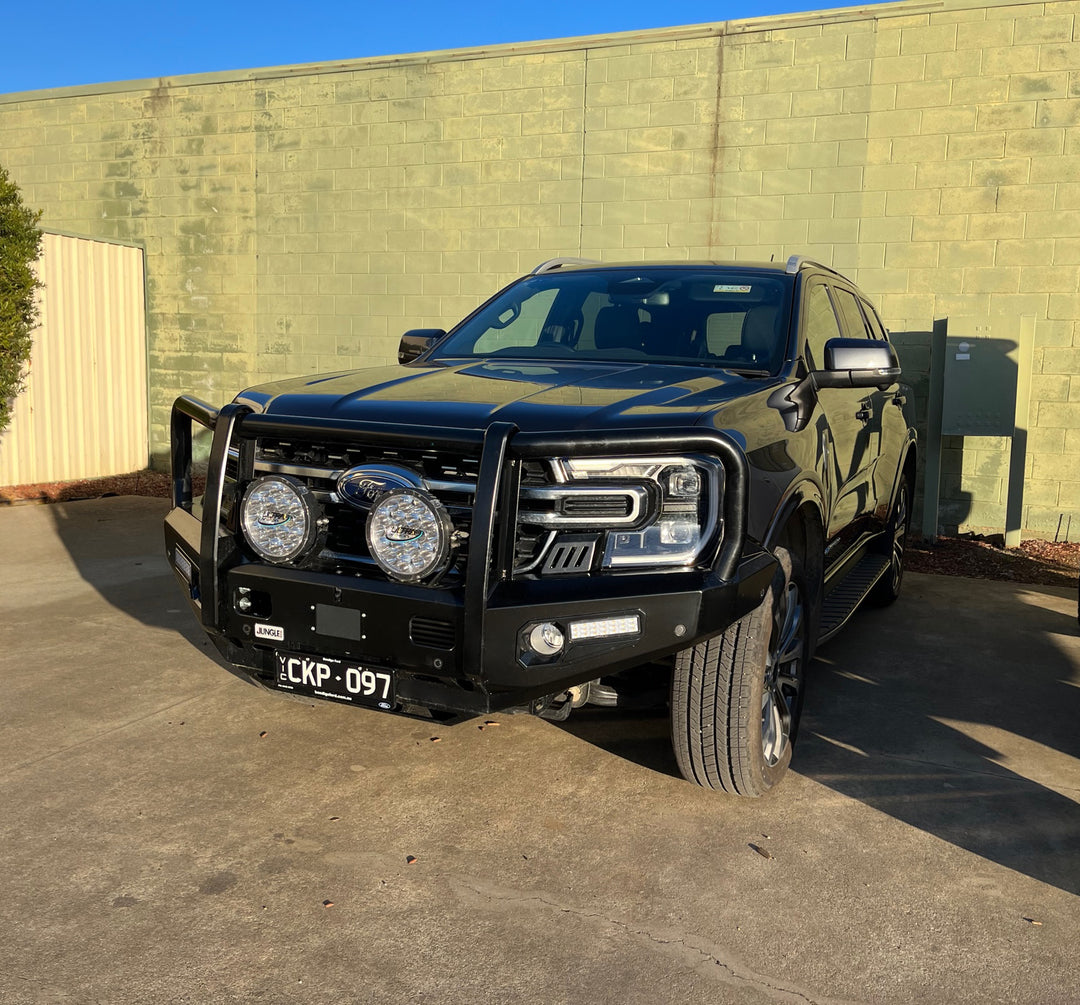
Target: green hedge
[{"x": 20, "y": 246}]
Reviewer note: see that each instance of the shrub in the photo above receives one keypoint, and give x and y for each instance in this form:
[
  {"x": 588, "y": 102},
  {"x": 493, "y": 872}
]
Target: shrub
[{"x": 20, "y": 246}]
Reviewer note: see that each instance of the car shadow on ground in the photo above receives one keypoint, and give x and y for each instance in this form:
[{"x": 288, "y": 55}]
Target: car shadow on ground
[
  {"x": 962, "y": 724},
  {"x": 643, "y": 737},
  {"x": 954, "y": 717},
  {"x": 117, "y": 547}
]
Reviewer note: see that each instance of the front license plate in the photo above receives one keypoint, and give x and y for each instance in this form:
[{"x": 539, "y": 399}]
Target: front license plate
[{"x": 326, "y": 677}]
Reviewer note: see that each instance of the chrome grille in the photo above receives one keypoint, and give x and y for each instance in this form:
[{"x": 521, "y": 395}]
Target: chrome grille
[{"x": 450, "y": 477}]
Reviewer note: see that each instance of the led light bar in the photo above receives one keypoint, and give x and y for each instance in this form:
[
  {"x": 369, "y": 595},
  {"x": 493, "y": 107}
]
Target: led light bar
[
  {"x": 605, "y": 628},
  {"x": 183, "y": 564}
]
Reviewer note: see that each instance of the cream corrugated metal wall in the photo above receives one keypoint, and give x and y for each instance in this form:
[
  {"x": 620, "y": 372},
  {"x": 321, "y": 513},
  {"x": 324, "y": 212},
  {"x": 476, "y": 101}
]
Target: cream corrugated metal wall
[{"x": 83, "y": 413}]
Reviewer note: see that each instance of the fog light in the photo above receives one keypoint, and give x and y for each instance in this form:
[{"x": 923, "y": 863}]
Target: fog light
[
  {"x": 546, "y": 639},
  {"x": 605, "y": 628}
]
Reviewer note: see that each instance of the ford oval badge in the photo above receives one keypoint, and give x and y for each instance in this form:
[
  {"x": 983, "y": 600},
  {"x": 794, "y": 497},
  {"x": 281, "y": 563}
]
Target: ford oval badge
[{"x": 362, "y": 485}]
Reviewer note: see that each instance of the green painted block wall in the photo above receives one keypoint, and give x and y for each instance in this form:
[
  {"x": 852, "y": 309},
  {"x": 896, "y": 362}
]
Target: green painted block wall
[{"x": 299, "y": 219}]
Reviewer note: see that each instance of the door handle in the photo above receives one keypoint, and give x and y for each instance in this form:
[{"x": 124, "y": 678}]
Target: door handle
[
  {"x": 863, "y": 415},
  {"x": 900, "y": 400}
]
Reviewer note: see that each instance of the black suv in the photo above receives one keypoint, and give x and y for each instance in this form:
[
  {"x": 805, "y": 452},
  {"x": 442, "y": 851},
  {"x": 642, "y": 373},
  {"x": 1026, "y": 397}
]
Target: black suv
[{"x": 608, "y": 481}]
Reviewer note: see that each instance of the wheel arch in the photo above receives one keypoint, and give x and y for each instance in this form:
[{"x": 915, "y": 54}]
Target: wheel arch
[
  {"x": 801, "y": 513},
  {"x": 799, "y": 526},
  {"x": 906, "y": 470}
]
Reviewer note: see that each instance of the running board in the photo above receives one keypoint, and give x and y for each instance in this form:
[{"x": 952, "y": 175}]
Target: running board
[{"x": 852, "y": 590}]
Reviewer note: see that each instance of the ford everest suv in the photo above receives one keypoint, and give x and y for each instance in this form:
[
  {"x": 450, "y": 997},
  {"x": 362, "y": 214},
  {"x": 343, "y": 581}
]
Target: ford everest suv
[{"x": 682, "y": 474}]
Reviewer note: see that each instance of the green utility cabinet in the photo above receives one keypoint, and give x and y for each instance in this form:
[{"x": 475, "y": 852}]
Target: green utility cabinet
[
  {"x": 981, "y": 369},
  {"x": 980, "y": 385}
]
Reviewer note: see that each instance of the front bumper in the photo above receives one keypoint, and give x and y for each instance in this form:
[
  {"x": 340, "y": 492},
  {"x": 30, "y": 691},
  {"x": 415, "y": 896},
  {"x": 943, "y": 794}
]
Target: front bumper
[{"x": 455, "y": 650}]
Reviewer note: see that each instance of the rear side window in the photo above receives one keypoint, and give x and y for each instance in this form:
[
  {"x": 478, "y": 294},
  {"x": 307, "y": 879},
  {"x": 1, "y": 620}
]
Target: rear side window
[
  {"x": 877, "y": 329},
  {"x": 848, "y": 306}
]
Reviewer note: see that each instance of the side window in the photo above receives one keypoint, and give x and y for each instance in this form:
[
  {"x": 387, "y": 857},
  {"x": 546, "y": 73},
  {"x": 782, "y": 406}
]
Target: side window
[
  {"x": 854, "y": 323},
  {"x": 821, "y": 325},
  {"x": 877, "y": 329}
]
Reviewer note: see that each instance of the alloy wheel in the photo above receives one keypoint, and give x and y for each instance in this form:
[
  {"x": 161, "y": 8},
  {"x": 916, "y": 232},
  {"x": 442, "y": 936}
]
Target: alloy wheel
[
  {"x": 783, "y": 672},
  {"x": 899, "y": 541}
]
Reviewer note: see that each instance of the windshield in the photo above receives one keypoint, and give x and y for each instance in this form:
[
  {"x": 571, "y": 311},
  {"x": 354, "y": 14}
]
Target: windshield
[{"x": 711, "y": 317}]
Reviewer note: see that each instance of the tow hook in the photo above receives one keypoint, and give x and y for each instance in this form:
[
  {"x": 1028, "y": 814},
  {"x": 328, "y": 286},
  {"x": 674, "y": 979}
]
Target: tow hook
[{"x": 557, "y": 707}]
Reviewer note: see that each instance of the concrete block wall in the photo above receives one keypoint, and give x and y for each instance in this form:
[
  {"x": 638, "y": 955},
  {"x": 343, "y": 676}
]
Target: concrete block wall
[
  {"x": 394, "y": 197},
  {"x": 933, "y": 156},
  {"x": 298, "y": 219},
  {"x": 172, "y": 168}
]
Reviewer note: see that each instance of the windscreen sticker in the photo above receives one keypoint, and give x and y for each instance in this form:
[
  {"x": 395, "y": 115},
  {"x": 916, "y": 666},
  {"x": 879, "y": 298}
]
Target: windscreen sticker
[{"x": 732, "y": 289}]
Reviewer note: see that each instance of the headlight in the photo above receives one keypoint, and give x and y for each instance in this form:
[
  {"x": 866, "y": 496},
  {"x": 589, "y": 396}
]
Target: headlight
[
  {"x": 408, "y": 534},
  {"x": 685, "y": 519},
  {"x": 279, "y": 517}
]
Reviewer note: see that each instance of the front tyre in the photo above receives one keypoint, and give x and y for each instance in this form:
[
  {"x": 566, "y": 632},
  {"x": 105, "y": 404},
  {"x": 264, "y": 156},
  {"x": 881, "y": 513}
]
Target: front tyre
[{"x": 736, "y": 698}]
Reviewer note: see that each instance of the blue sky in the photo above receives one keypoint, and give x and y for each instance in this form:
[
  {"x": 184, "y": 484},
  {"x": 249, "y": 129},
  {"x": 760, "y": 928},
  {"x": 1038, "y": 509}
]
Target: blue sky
[{"x": 62, "y": 43}]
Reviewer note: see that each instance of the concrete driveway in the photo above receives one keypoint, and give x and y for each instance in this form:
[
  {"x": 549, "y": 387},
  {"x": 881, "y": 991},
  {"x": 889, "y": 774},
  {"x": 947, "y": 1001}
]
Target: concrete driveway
[{"x": 172, "y": 834}]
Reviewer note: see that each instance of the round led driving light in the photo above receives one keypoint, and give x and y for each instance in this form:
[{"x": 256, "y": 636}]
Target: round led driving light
[
  {"x": 408, "y": 534},
  {"x": 279, "y": 517},
  {"x": 546, "y": 639}
]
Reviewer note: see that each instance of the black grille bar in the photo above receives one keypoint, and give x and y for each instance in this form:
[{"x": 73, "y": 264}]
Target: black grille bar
[
  {"x": 184, "y": 410},
  {"x": 227, "y": 421},
  {"x": 432, "y": 633},
  {"x": 600, "y": 507},
  {"x": 347, "y": 430},
  {"x": 571, "y": 555},
  {"x": 478, "y": 568}
]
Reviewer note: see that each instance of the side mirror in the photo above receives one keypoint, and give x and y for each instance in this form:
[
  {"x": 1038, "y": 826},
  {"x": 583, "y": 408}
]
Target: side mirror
[
  {"x": 858, "y": 362},
  {"x": 417, "y": 342}
]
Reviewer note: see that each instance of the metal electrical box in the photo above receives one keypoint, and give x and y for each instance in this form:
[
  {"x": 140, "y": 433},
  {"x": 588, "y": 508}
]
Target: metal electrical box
[
  {"x": 980, "y": 385},
  {"x": 982, "y": 365}
]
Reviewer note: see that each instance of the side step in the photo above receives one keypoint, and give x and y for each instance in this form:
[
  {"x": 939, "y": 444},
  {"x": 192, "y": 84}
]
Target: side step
[{"x": 851, "y": 591}]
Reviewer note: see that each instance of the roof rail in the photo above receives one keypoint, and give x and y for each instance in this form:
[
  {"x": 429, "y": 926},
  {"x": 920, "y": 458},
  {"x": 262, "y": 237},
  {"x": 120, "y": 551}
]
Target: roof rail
[
  {"x": 557, "y": 263},
  {"x": 796, "y": 262}
]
